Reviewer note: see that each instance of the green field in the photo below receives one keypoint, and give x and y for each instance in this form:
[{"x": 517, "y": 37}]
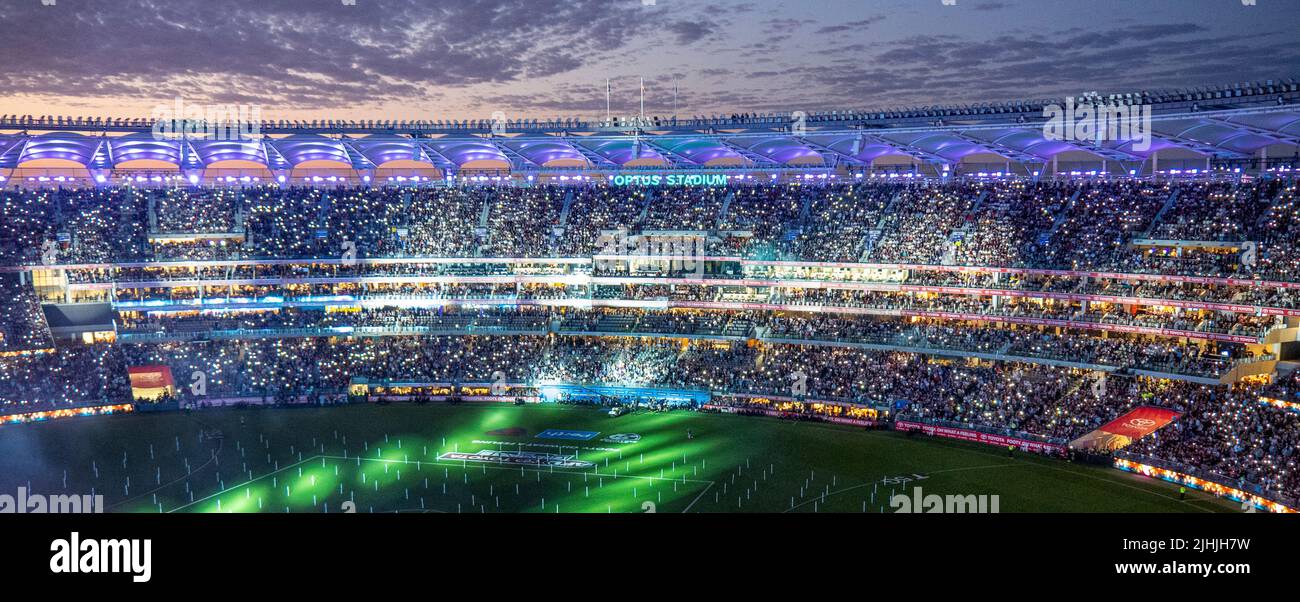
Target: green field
[{"x": 392, "y": 458}]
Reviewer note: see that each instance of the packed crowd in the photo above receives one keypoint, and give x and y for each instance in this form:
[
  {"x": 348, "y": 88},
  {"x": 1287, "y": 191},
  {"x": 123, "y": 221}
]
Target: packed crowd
[
  {"x": 1129, "y": 352},
  {"x": 1228, "y": 433},
  {"x": 1224, "y": 430},
  {"x": 22, "y": 325},
  {"x": 1132, "y": 353},
  {"x": 1076, "y": 225},
  {"x": 1286, "y": 388}
]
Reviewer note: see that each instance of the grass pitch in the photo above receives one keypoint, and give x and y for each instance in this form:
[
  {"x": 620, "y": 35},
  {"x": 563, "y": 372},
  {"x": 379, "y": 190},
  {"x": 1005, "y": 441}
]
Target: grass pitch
[{"x": 473, "y": 458}]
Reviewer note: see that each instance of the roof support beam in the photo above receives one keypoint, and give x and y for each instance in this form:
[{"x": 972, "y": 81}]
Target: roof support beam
[
  {"x": 998, "y": 148},
  {"x": 438, "y": 159},
  {"x": 274, "y": 159},
  {"x": 592, "y": 157},
  {"x": 826, "y": 150},
  {"x": 754, "y": 157},
  {"x": 673, "y": 158},
  {"x": 10, "y": 155},
  {"x": 1281, "y": 137},
  {"x": 914, "y": 152},
  {"x": 358, "y": 159},
  {"x": 188, "y": 151},
  {"x": 517, "y": 161},
  {"x": 1198, "y": 147},
  {"x": 108, "y": 153},
  {"x": 1112, "y": 154}
]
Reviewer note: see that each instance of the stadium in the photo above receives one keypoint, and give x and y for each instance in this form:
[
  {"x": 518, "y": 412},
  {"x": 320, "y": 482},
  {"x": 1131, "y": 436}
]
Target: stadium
[
  {"x": 1061, "y": 304},
  {"x": 703, "y": 315}
]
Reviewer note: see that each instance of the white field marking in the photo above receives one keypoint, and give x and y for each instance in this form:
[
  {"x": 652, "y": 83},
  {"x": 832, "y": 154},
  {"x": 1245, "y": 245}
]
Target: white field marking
[
  {"x": 437, "y": 463},
  {"x": 192, "y": 472},
  {"x": 488, "y": 465},
  {"x": 544, "y": 445},
  {"x": 846, "y": 489},
  {"x": 697, "y": 498},
  {"x": 244, "y": 484},
  {"x": 1189, "y": 501}
]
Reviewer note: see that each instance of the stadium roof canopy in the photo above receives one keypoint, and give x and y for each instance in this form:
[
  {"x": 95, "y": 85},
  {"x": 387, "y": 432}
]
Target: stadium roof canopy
[{"x": 1229, "y": 134}]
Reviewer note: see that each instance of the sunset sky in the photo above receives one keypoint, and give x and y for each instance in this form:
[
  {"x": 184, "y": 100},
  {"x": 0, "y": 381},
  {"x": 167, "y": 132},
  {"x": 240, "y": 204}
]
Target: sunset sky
[{"x": 431, "y": 59}]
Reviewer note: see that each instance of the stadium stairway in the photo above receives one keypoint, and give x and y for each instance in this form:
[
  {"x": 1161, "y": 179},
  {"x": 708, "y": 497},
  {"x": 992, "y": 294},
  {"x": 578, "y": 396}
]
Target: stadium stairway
[
  {"x": 152, "y": 209},
  {"x": 805, "y": 208},
  {"x": 568, "y": 205},
  {"x": 889, "y": 210},
  {"x": 973, "y": 213},
  {"x": 722, "y": 213},
  {"x": 1061, "y": 215},
  {"x": 1160, "y": 215},
  {"x": 485, "y": 211},
  {"x": 645, "y": 208}
]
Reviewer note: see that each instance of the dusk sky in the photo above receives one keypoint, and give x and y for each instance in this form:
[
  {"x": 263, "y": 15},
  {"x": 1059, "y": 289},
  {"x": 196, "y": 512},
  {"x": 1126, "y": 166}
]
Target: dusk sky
[{"x": 431, "y": 59}]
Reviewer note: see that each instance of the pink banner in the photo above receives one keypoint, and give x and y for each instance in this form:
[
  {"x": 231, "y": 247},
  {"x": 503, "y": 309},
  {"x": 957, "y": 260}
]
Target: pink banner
[
  {"x": 946, "y": 432},
  {"x": 779, "y": 414}
]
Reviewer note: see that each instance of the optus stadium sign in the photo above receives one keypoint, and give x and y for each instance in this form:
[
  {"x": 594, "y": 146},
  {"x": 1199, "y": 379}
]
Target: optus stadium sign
[{"x": 670, "y": 180}]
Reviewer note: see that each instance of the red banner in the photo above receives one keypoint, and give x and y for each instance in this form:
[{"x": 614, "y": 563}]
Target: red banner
[
  {"x": 1140, "y": 422},
  {"x": 150, "y": 377},
  {"x": 1121, "y": 432},
  {"x": 151, "y": 382}
]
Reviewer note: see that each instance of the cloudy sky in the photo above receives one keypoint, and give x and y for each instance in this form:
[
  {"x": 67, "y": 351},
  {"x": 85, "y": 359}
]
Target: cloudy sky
[{"x": 407, "y": 59}]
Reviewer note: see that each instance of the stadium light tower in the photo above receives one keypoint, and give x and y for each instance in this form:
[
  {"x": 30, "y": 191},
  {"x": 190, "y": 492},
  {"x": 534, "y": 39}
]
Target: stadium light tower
[{"x": 674, "y": 96}]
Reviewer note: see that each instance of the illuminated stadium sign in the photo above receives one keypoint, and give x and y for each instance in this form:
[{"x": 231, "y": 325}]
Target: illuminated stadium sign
[{"x": 671, "y": 180}]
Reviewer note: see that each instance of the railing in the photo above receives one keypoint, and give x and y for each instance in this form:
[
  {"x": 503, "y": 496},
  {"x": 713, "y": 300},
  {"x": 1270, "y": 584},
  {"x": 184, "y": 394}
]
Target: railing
[
  {"x": 1202, "y": 371},
  {"x": 1257, "y": 94},
  {"x": 128, "y": 336},
  {"x": 1135, "y": 276}
]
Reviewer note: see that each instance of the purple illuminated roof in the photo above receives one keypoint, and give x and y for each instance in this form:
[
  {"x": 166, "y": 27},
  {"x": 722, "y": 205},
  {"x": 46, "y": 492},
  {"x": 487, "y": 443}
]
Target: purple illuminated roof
[
  {"x": 620, "y": 151},
  {"x": 856, "y": 146},
  {"x": 782, "y": 149},
  {"x": 1214, "y": 133},
  {"x": 143, "y": 146},
  {"x": 699, "y": 150},
  {"x": 939, "y": 143},
  {"x": 300, "y": 149},
  {"x": 381, "y": 150},
  {"x": 211, "y": 151},
  {"x": 68, "y": 147},
  {"x": 464, "y": 150},
  {"x": 543, "y": 151},
  {"x": 1024, "y": 140},
  {"x": 1238, "y": 134}
]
